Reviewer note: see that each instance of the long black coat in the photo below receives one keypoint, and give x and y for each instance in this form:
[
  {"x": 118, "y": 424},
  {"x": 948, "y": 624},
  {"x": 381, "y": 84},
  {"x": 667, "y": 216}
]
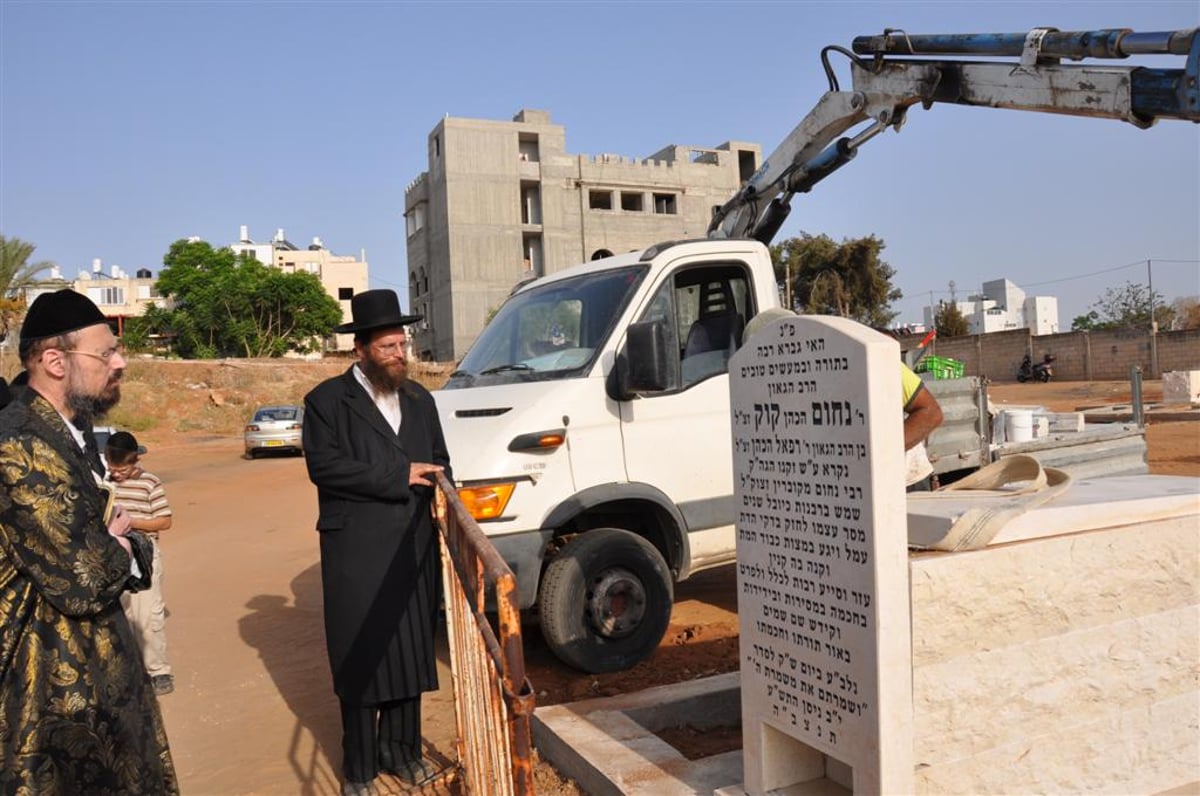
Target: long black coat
[{"x": 379, "y": 553}]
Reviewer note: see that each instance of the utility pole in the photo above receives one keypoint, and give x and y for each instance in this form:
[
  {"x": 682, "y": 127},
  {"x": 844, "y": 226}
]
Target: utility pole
[{"x": 1153, "y": 326}]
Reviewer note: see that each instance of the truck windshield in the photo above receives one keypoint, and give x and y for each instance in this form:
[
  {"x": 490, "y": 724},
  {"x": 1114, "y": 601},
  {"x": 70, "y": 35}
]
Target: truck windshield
[{"x": 553, "y": 331}]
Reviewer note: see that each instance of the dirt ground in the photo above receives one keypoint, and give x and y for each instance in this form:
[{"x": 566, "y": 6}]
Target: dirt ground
[{"x": 253, "y": 711}]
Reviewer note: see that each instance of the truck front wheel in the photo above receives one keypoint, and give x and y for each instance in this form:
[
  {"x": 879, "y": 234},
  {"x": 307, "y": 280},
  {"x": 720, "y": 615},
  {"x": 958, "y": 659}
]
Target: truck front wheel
[{"x": 605, "y": 600}]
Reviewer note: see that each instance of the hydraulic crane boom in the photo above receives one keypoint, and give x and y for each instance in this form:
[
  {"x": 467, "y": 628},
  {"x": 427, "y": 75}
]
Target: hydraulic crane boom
[{"x": 887, "y": 85}]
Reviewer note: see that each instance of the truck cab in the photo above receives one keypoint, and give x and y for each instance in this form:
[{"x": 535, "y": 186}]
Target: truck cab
[{"x": 589, "y": 429}]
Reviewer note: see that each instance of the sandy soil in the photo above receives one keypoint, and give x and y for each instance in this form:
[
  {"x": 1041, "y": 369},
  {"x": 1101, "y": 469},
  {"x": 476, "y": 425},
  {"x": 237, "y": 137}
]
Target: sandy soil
[{"x": 253, "y": 710}]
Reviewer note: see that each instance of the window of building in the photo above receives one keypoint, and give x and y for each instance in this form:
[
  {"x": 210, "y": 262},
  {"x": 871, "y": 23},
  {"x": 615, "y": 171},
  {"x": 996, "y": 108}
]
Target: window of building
[
  {"x": 531, "y": 203},
  {"x": 437, "y": 146},
  {"x": 143, "y": 292},
  {"x": 600, "y": 200},
  {"x": 631, "y": 202},
  {"x": 111, "y": 296},
  {"x": 600, "y": 254},
  {"x": 532, "y": 247},
  {"x": 747, "y": 164},
  {"x": 527, "y": 147},
  {"x": 313, "y": 267},
  {"x": 424, "y": 282},
  {"x": 664, "y": 203},
  {"x": 414, "y": 220},
  {"x": 345, "y": 293}
]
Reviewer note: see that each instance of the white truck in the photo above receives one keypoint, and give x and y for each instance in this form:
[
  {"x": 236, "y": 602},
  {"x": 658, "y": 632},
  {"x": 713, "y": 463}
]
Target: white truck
[{"x": 589, "y": 422}]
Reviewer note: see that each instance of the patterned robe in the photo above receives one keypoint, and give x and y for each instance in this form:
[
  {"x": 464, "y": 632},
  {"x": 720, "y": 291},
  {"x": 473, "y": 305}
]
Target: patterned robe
[{"x": 77, "y": 712}]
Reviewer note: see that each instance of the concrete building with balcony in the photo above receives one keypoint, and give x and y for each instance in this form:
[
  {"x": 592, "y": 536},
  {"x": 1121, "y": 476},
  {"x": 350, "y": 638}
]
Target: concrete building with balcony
[
  {"x": 505, "y": 201},
  {"x": 1001, "y": 306},
  {"x": 341, "y": 275}
]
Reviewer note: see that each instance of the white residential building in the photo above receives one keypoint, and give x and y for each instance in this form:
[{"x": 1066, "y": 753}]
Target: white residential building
[{"x": 1002, "y": 306}]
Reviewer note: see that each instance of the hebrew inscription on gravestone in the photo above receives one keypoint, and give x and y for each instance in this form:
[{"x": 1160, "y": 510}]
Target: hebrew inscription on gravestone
[{"x": 822, "y": 556}]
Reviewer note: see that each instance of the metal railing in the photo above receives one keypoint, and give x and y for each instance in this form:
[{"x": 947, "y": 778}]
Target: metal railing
[{"x": 493, "y": 701}]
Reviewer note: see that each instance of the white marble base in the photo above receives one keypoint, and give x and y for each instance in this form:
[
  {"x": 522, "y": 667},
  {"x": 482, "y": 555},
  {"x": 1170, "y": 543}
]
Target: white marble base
[{"x": 1067, "y": 664}]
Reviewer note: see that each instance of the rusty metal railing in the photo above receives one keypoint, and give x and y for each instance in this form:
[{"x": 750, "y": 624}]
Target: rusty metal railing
[{"x": 493, "y": 701}]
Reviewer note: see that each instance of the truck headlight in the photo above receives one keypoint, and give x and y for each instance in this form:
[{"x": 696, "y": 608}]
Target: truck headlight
[{"x": 486, "y": 502}]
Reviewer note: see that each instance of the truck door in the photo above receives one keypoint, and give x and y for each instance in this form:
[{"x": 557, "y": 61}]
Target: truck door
[{"x": 679, "y": 440}]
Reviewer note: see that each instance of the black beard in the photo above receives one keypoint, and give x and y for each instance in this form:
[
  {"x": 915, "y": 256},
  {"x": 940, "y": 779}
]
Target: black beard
[
  {"x": 380, "y": 378},
  {"x": 86, "y": 408}
]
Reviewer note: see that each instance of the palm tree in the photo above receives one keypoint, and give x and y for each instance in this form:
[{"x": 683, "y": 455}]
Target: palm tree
[{"x": 16, "y": 273}]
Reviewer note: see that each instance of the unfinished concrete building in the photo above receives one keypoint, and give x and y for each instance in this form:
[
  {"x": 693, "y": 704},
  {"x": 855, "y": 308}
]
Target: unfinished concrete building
[{"x": 502, "y": 201}]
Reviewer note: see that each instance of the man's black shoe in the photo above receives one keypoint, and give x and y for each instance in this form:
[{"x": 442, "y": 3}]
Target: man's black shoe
[
  {"x": 414, "y": 772},
  {"x": 351, "y": 788}
]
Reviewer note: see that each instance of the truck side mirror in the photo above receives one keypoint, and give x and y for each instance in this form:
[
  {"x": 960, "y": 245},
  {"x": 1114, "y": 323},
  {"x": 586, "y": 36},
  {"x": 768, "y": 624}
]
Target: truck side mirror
[{"x": 642, "y": 364}]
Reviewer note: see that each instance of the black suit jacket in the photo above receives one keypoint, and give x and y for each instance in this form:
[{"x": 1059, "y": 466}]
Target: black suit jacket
[{"x": 379, "y": 553}]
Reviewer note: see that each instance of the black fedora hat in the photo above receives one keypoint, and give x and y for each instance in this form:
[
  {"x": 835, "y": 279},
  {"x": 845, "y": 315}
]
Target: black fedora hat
[{"x": 375, "y": 309}]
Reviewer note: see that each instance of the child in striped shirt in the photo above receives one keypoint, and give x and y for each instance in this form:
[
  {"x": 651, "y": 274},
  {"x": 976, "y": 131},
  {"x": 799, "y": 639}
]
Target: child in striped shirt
[{"x": 142, "y": 495}]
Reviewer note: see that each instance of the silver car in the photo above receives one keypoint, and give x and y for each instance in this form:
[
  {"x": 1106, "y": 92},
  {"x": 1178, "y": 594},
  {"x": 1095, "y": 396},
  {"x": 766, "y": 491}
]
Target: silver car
[{"x": 275, "y": 428}]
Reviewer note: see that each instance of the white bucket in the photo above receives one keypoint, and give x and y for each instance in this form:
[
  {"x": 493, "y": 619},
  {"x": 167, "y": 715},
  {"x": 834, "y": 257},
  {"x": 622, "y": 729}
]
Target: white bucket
[{"x": 1018, "y": 425}]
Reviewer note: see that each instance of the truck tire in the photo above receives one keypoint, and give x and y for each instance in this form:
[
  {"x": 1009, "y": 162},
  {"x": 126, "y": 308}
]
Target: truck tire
[{"x": 605, "y": 600}]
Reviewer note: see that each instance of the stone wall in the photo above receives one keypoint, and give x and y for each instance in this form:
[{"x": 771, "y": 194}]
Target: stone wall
[{"x": 1102, "y": 355}]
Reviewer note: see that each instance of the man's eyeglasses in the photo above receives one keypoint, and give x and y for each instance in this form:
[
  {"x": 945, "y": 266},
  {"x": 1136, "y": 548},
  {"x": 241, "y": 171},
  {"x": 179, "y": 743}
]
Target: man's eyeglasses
[
  {"x": 389, "y": 350},
  {"x": 104, "y": 356}
]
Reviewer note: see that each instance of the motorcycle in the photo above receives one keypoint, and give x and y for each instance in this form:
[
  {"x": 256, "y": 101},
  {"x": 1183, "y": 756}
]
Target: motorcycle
[{"x": 1042, "y": 371}]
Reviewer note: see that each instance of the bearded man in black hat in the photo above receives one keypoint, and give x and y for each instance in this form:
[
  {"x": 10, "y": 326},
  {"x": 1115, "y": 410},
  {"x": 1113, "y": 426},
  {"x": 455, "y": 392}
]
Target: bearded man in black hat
[
  {"x": 77, "y": 713},
  {"x": 372, "y": 441}
]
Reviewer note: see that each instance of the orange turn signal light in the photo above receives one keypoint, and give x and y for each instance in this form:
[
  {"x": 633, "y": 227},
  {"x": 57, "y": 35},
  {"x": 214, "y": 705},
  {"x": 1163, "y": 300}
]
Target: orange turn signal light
[{"x": 486, "y": 502}]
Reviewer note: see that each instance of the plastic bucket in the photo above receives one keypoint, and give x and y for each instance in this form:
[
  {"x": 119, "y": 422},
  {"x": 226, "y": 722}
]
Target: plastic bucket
[{"x": 1018, "y": 425}]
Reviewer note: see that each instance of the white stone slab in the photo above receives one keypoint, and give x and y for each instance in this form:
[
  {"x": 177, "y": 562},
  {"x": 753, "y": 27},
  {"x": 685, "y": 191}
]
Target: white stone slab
[
  {"x": 1086, "y": 505},
  {"x": 1181, "y": 387},
  {"x": 822, "y": 565},
  {"x": 1137, "y": 751},
  {"x": 1013, "y": 594}
]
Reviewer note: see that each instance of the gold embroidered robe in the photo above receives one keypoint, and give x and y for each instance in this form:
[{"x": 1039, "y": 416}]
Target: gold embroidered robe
[{"x": 77, "y": 712}]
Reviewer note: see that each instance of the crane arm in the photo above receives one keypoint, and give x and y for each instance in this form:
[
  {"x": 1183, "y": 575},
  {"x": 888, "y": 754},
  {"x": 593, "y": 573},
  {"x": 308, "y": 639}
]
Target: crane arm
[{"x": 885, "y": 86}]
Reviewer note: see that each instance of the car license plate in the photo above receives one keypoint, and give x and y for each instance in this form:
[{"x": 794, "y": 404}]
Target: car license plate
[{"x": 273, "y": 443}]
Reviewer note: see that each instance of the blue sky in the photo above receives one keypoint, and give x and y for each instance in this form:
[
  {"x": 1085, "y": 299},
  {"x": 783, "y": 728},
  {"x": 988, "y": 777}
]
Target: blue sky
[{"x": 125, "y": 126}]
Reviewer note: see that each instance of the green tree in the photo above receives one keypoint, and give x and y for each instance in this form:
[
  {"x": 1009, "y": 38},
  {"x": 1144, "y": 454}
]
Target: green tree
[
  {"x": 847, "y": 279},
  {"x": 16, "y": 273},
  {"x": 1086, "y": 322},
  {"x": 231, "y": 305},
  {"x": 949, "y": 320},
  {"x": 1123, "y": 307}
]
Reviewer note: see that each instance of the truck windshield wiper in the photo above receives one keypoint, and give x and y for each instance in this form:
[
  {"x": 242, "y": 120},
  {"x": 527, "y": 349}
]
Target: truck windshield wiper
[{"x": 503, "y": 368}]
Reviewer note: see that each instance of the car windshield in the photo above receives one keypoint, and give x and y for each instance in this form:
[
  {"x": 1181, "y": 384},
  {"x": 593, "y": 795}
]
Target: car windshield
[{"x": 552, "y": 331}]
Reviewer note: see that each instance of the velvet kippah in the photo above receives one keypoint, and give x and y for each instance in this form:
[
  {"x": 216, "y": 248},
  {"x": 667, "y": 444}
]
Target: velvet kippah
[{"x": 57, "y": 313}]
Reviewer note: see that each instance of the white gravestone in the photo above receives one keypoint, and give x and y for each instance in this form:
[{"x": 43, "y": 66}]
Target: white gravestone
[{"x": 822, "y": 558}]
